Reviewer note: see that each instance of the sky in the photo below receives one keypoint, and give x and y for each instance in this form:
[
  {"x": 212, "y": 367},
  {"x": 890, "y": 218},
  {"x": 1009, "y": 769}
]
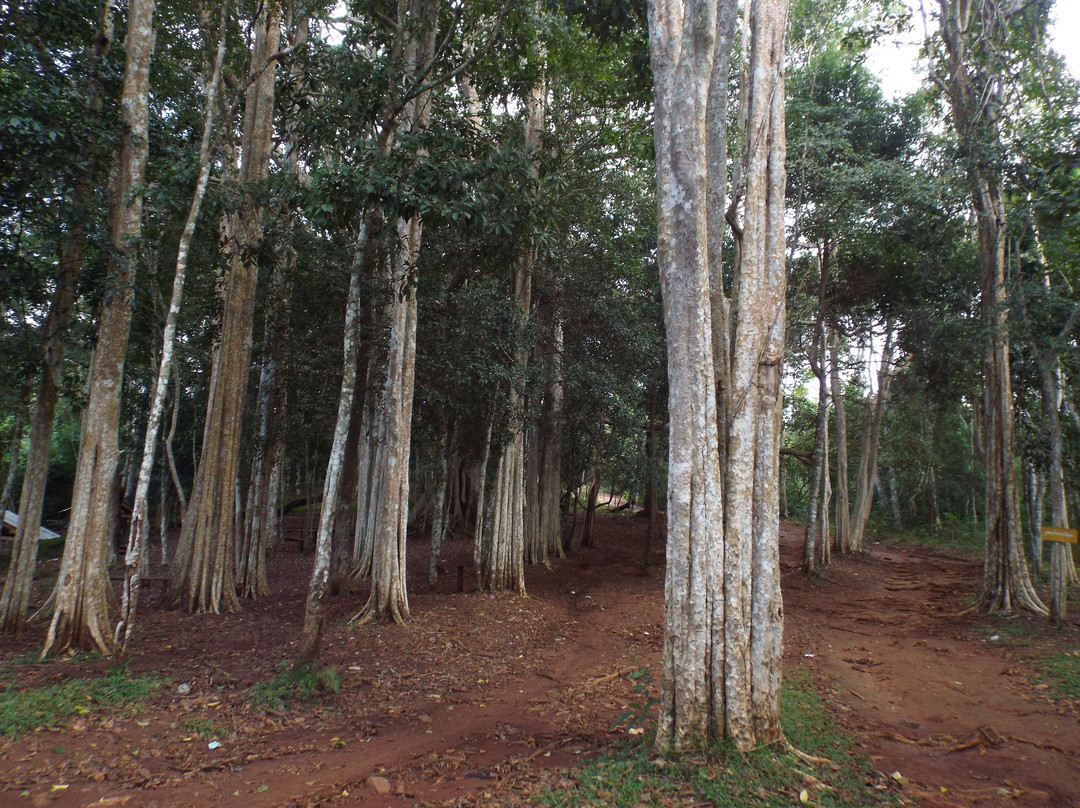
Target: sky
[{"x": 895, "y": 59}]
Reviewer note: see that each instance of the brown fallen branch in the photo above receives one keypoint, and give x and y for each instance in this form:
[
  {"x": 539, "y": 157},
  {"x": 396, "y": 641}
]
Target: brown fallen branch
[{"x": 610, "y": 676}]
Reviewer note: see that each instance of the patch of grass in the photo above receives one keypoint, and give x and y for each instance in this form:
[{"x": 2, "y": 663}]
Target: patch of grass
[
  {"x": 298, "y": 684},
  {"x": 23, "y": 710},
  {"x": 205, "y": 728},
  {"x": 1062, "y": 672},
  {"x": 723, "y": 778}
]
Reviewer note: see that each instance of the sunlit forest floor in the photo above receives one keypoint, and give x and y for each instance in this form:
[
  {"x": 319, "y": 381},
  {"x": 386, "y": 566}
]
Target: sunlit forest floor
[{"x": 486, "y": 699}]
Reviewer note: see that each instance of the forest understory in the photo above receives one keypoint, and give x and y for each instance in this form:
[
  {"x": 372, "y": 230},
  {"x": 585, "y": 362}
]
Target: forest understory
[{"x": 486, "y": 699}]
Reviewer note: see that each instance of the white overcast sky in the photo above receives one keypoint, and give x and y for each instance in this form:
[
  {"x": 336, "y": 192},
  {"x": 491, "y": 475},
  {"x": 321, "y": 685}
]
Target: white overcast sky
[{"x": 896, "y": 59}]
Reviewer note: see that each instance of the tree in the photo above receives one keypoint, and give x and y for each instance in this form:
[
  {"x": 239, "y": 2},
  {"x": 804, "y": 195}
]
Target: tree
[
  {"x": 723, "y": 614},
  {"x": 201, "y": 576},
  {"x": 80, "y": 618},
  {"x": 974, "y": 34},
  {"x": 15, "y": 601}
]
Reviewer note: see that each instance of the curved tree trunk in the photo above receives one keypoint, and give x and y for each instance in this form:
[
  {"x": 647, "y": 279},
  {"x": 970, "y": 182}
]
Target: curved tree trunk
[
  {"x": 202, "y": 574},
  {"x": 80, "y": 619}
]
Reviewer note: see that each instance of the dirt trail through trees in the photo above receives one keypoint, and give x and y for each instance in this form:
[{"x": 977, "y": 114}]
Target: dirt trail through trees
[{"x": 481, "y": 697}]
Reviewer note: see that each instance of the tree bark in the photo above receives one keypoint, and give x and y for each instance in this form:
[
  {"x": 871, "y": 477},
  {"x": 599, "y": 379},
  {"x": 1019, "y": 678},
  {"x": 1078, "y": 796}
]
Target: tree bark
[
  {"x": 723, "y": 615},
  {"x": 202, "y": 576},
  {"x": 974, "y": 33},
  {"x": 315, "y": 610},
  {"x": 80, "y": 619},
  {"x": 843, "y": 505},
  {"x": 871, "y": 434},
  {"x": 140, "y": 517},
  {"x": 504, "y": 533}
]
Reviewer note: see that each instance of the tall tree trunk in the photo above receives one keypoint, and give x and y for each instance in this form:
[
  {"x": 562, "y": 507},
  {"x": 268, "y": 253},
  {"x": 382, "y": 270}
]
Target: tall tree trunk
[
  {"x": 201, "y": 577},
  {"x": 15, "y": 452},
  {"x": 504, "y": 555},
  {"x": 723, "y": 615},
  {"x": 315, "y": 611},
  {"x": 871, "y": 434},
  {"x": 15, "y": 601},
  {"x": 551, "y": 449},
  {"x": 261, "y": 518},
  {"x": 843, "y": 504},
  {"x": 140, "y": 517},
  {"x": 438, "y": 521},
  {"x": 975, "y": 33},
  {"x": 80, "y": 619}
]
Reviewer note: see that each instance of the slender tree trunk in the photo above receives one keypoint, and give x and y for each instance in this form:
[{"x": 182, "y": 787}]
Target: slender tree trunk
[
  {"x": 504, "y": 556},
  {"x": 201, "y": 576},
  {"x": 315, "y": 611},
  {"x": 80, "y": 619},
  {"x": 140, "y": 518},
  {"x": 871, "y": 434},
  {"x": 843, "y": 505},
  {"x": 15, "y": 601},
  {"x": 15, "y": 452},
  {"x": 550, "y": 526},
  {"x": 439, "y": 521}
]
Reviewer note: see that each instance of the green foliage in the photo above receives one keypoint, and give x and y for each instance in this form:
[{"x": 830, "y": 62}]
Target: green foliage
[
  {"x": 640, "y": 711},
  {"x": 25, "y": 709},
  {"x": 299, "y": 684},
  {"x": 722, "y": 777}
]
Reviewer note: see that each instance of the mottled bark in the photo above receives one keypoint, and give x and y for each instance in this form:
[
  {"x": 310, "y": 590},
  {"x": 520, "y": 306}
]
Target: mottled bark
[
  {"x": 315, "y": 610},
  {"x": 551, "y": 449},
  {"x": 871, "y": 434},
  {"x": 504, "y": 533},
  {"x": 723, "y": 615},
  {"x": 80, "y": 618}
]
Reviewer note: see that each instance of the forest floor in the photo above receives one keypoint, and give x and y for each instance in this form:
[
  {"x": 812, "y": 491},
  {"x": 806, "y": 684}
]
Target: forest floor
[{"x": 483, "y": 699}]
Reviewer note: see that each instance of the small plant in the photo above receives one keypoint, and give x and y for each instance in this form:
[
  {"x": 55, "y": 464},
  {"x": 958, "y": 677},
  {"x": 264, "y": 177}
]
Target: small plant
[
  {"x": 639, "y": 712},
  {"x": 299, "y": 684},
  {"x": 205, "y": 729},
  {"x": 23, "y": 710}
]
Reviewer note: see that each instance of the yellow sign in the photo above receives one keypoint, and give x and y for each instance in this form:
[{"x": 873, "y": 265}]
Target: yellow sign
[{"x": 1059, "y": 534}]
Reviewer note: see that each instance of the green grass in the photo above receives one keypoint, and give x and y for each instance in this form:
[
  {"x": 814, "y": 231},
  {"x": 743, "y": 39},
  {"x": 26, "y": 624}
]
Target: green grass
[
  {"x": 24, "y": 710},
  {"x": 298, "y": 684},
  {"x": 723, "y": 778},
  {"x": 1061, "y": 671},
  {"x": 205, "y": 728}
]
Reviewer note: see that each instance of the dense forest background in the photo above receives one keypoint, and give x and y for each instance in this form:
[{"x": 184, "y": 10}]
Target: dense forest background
[{"x": 295, "y": 148}]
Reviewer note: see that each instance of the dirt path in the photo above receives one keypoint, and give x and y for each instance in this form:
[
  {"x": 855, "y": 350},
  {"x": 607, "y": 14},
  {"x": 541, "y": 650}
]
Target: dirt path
[
  {"x": 938, "y": 696},
  {"x": 481, "y": 695}
]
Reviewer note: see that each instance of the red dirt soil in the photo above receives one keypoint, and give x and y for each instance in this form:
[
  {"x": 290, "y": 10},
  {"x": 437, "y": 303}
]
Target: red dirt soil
[{"x": 482, "y": 697}]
